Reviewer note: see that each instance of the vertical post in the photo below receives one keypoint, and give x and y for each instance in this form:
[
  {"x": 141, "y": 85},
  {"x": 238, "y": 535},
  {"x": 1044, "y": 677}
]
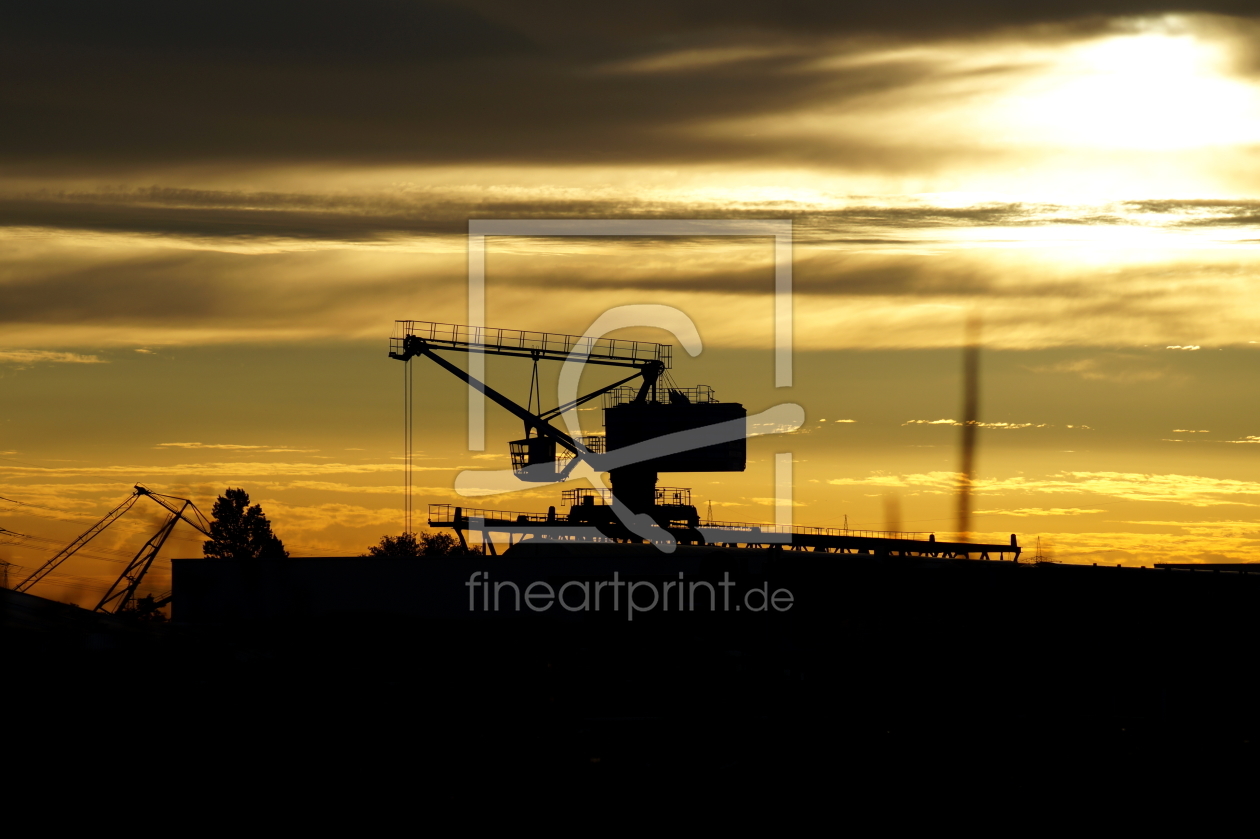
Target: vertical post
[
  {"x": 459, "y": 527},
  {"x": 476, "y": 323},
  {"x": 971, "y": 412},
  {"x": 783, "y": 307},
  {"x": 783, "y": 490}
]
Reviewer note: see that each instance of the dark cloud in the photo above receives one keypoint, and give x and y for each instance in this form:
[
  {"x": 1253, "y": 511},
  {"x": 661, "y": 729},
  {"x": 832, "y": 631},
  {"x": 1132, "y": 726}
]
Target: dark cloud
[
  {"x": 207, "y": 288},
  {"x": 74, "y": 293},
  {"x": 348, "y": 217},
  {"x": 1202, "y": 213},
  {"x": 662, "y": 19},
  {"x": 530, "y": 109},
  {"x": 310, "y": 31},
  {"x": 177, "y": 287},
  {"x": 92, "y": 86},
  {"x": 194, "y": 288},
  {"x": 813, "y": 273},
  {"x": 223, "y": 214},
  {"x": 266, "y": 216},
  {"x": 419, "y": 31}
]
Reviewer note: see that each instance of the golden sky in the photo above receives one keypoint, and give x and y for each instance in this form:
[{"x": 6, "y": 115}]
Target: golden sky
[{"x": 209, "y": 228}]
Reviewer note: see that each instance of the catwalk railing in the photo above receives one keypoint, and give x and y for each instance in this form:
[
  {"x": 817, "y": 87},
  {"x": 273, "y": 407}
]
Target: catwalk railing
[
  {"x": 555, "y": 525},
  {"x": 516, "y": 342}
]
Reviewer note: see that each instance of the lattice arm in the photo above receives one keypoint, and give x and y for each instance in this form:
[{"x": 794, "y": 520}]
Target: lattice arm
[{"x": 87, "y": 536}]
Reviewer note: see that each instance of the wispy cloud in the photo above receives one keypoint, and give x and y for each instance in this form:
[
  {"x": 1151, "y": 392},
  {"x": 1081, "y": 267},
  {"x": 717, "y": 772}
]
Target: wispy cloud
[
  {"x": 1221, "y": 529},
  {"x": 1191, "y": 490},
  {"x": 298, "y": 520},
  {"x": 1207, "y": 543},
  {"x": 1039, "y": 511},
  {"x": 47, "y": 357},
  {"x": 161, "y": 288},
  {"x": 333, "y": 486},
  {"x": 997, "y": 425},
  {"x": 229, "y": 446},
  {"x": 215, "y": 470},
  {"x": 1124, "y": 368}
]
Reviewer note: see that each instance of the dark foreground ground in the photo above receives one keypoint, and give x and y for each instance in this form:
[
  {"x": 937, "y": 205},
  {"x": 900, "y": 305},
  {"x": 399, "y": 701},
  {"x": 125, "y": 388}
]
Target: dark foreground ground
[{"x": 894, "y": 668}]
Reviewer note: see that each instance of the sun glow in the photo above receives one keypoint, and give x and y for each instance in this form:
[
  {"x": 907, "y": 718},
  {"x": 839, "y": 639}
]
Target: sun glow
[{"x": 1147, "y": 91}]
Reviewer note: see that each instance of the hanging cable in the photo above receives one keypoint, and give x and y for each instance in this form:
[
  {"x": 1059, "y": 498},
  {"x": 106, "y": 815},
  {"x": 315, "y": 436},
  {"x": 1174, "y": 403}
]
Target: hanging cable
[
  {"x": 407, "y": 446},
  {"x": 534, "y": 405}
]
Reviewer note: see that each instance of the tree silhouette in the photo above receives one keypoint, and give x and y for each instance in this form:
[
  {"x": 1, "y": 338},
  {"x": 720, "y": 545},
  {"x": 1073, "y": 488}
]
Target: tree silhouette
[
  {"x": 240, "y": 531},
  {"x": 423, "y": 544}
]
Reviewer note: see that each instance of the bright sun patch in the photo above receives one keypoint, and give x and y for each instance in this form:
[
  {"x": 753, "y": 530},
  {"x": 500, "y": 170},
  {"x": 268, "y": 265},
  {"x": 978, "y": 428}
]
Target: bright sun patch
[{"x": 1146, "y": 91}]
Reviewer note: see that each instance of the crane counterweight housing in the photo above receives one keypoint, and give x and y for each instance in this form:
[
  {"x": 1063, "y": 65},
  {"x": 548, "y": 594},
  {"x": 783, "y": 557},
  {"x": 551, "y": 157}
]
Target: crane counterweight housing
[{"x": 637, "y": 422}]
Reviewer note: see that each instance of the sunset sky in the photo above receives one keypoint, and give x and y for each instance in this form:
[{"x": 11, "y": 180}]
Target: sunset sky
[{"x": 214, "y": 212}]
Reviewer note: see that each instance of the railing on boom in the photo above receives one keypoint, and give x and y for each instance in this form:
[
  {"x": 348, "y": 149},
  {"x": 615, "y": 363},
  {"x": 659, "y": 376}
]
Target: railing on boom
[
  {"x": 529, "y": 344},
  {"x": 449, "y": 514},
  {"x": 665, "y": 496},
  {"x": 692, "y": 395},
  {"x": 534, "y": 451},
  {"x": 917, "y": 536}
]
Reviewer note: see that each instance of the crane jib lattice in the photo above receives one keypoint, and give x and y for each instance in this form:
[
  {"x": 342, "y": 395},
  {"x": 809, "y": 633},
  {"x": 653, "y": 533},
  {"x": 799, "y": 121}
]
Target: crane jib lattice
[{"x": 122, "y": 594}]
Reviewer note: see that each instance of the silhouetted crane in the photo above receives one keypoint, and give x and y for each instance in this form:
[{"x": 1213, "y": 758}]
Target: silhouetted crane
[
  {"x": 650, "y": 428},
  {"x": 632, "y": 415},
  {"x": 121, "y": 596}
]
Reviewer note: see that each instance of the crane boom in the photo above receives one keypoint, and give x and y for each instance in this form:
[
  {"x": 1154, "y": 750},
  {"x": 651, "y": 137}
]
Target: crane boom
[
  {"x": 87, "y": 536},
  {"x": 121, "y": 594},
  {"x": 200, "y": 523}
]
